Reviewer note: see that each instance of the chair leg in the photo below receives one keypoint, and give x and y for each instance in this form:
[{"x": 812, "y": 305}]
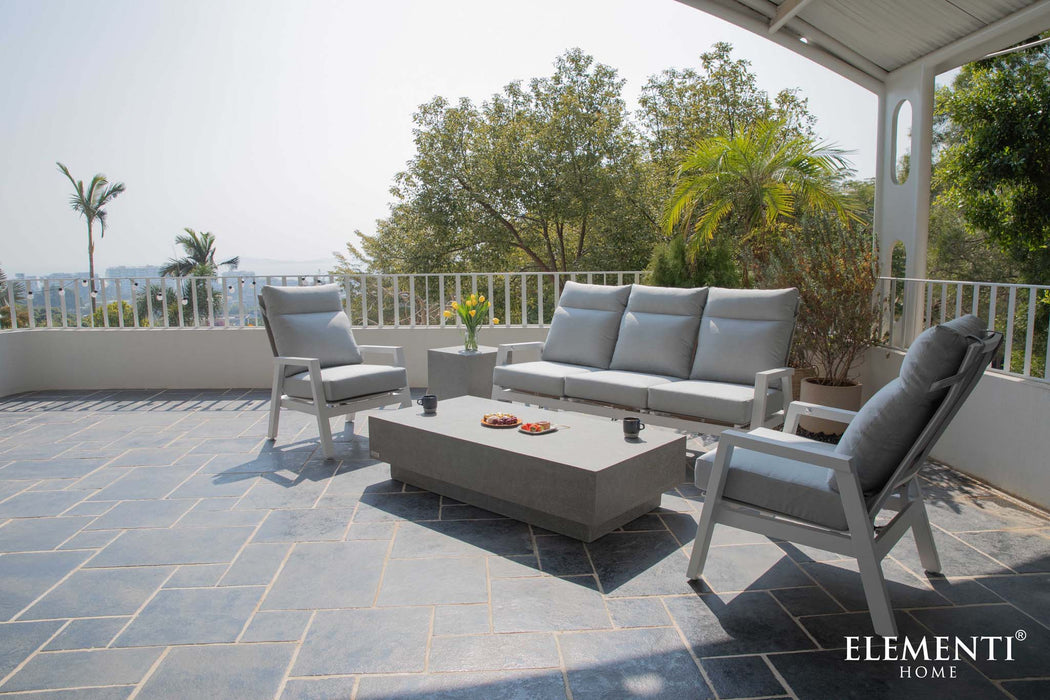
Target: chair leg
[
  {"x": 862, "y": 536},
  {"x": 275, "y": 403},
  {"x": 324, "y": 428},
  {"x": 923, "y": 533},
  {"x": 712, "y": 498}
]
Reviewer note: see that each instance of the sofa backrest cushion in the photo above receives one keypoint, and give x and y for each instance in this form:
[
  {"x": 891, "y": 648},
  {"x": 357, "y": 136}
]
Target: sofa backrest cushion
[
  {"x": 743, "y": 332},
  {"x": 585, "y": 324},
  {"x": 310, "y": 322},
  {"x": 659, "y": 329},
  {"x": 885, "y": 428}
]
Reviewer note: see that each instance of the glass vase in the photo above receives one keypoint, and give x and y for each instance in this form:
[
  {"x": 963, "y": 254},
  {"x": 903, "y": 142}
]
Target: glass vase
[{"x": 470, "y": 340}]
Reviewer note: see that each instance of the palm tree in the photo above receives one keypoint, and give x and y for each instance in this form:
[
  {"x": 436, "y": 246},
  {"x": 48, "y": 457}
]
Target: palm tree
[
  {"x": 91, "y": 203},
  {"x": 752, "y": 181},
  {"x": 199, "y": 261},
  {"x": 9, "y": 290}
]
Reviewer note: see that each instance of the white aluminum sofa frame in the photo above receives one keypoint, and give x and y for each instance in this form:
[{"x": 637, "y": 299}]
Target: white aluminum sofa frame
[
  {"x": 763, "y": 382},
  {"x": 863, "y": 541}
]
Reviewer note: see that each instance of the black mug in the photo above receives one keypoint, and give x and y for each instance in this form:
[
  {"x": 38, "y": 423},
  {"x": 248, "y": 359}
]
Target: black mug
[
  {"x": 631, "y": 428},
  {"x": 429, "y": 402}
]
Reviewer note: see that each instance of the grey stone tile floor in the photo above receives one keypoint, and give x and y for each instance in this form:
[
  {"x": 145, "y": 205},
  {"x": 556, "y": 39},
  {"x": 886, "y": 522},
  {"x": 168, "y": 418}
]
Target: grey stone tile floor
[{"x": 153, "y": 544}]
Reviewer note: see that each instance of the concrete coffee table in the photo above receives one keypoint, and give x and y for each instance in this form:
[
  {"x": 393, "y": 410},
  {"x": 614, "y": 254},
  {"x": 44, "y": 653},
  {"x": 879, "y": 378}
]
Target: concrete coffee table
[{"x": 583, "y": 481}]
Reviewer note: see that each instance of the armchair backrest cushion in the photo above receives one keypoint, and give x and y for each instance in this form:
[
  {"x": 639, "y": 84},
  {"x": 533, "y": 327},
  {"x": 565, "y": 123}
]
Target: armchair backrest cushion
[
  {"x": 743, "y": 332},
  {"x": 586, "y": 324},
  {"x": 885, "y": 428},
  {"x": 309, "y": 322},
  {"x": 658, "y": 330}
]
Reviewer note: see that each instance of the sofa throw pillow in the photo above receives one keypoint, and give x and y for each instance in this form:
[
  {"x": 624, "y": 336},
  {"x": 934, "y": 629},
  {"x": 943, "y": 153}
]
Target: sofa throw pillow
[
  {"x": 659, "y": 330},
  {"x": 887, "y": 425},
  {"x": 585, "y": 325},
  {"x": 743, "y": 332}
]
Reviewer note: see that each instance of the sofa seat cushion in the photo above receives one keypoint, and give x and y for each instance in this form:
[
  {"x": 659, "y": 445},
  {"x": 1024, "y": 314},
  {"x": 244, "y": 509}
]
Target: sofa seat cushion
[
  {"x": 778, "y": 484},
  {"x": 537, "y": 377},
  {"x": 586, "y": 324},
  {"x": 349, "y": 382},
  {"x": 714, "y": 401},
  {"x": 659, "y": 330},
  {"x": 629, "y": 389}
]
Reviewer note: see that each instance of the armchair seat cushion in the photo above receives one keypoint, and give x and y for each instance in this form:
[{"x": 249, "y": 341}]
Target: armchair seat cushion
[
  {"x": 539, "y": 377},
  {"x": 778, "y": 484},
  {"x": 629, "y": 389},
  {"x": 346, "y": 382},
  {"x": 714, "y": 401}
]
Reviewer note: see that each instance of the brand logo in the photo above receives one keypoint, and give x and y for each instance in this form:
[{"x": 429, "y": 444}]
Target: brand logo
[{"x": 932, "y": 657}]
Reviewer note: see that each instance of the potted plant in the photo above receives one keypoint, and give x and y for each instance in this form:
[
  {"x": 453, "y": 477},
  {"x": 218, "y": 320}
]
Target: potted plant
[
  {"x": 834, "y": 267},
  {"x": 471, "y": 311}
]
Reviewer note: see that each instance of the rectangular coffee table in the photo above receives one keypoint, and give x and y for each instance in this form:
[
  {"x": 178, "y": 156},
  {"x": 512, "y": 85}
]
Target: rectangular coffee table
[{"x": 583, "y": 481}]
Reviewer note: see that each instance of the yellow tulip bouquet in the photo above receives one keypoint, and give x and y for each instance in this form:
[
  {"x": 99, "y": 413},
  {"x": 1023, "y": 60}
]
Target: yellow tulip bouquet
[{"x": 471, "y": 312}]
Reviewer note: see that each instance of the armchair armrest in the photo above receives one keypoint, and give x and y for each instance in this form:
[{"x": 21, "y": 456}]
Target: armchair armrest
[
  {"x": 763, "y": 380},
  {"x": 309, "y": 363},
  {"x": 506, "y": 351},
  {"x": 396, "y": 353},
  {"x": 789, "y": 446},
  {"x": 798, "y": 409}
]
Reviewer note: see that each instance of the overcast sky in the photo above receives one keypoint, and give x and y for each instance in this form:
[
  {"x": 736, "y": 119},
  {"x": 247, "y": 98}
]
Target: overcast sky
[{"x": 278, "y": 126}]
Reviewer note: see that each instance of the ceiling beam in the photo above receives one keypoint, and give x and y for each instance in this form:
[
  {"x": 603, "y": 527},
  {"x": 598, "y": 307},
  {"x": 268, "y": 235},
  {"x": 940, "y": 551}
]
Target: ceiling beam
[{"x": 786, "y": 10}]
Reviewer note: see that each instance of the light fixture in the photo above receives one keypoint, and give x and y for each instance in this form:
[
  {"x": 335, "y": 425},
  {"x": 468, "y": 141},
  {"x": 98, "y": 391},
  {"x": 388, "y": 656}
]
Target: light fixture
[
  {"x": 160, "y": 297},
  {"x": 94, "y": 295},
  {"x": 30, "y": 294},
  {"x": 185, "y": 301},
  {"x": 803, "y": 39},
  {"x": 83, "y": 283},
  {"x": 62, "y": 291}
]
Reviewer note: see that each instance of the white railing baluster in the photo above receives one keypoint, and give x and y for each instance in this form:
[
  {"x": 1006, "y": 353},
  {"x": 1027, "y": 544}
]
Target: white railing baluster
[
  {"x": 149, "y": 301},
  {"x": 397, "y": 301},
  {"x": 241, "y": 321},
  {"x": 459, "y": 294},
  {"x": 944, "y": 301},
  {"x": 76, "y": 299},
  {"x": 976, "y": 298},
  {"x": 412, "y": 301},
  {"x": 492, "y": 302},
  {"x": 524, "y": 301},
  {"x": 47, "y": 303},
  {"x": 539, "y": 296},
  {"x": 958, "y": 300},
  {"x": 1029, "y": 335},
  {"x": 441, "y": 298},
  {"x": 104, "y": 305},
  {"x": 1011, "y": 306},
  {"x": 506, "y": 299},
  {"x": 379, "y": 299},
  {"x": 928, "y": 314},
  {"x": 181, "y": 299},
  {"x": 120, "y": 304},
  {"x": 62, "y": 302}
]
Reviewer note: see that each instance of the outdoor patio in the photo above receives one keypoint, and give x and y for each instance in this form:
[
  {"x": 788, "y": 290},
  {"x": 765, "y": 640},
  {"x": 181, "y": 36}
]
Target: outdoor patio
[{"x": 154, "y": 545}]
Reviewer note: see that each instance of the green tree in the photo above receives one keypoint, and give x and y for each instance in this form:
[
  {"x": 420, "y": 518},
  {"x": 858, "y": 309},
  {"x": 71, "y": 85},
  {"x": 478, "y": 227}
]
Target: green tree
[
  {"x": 113, "y": 312},
  {"x": 198, "y": 262},
  {"x": 993, "y": 131},
  {"x": 8, "y": 290},
  {"x": 713, "y": 264},
  {"x": 542, "y": 176},
  {"x": 749, "y": 183},
  {"x": 91, "y": 202}
]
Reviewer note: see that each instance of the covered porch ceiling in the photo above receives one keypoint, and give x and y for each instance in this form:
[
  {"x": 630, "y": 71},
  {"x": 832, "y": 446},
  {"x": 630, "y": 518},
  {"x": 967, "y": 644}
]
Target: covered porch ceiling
[{"x": 866, "y": 41}]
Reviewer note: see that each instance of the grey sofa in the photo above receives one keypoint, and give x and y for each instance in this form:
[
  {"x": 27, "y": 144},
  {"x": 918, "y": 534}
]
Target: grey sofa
[{"x": 699, "y": 359}]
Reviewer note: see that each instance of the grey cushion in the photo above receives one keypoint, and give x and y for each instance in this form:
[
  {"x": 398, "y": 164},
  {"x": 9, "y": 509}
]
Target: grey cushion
[
  {"x": 309, "y": 322},
  {"x": 743, "y": 332},
  {"x": 537, "y": 377},
  {"x": 349, "y": 381},
  {"x": 585, "y": 324},
  {"x": 659, "y": 329},
  {"x": 629, "y": 389},
  {"x": 781, "y": 485},
  {"x": 713, "y": 401},
  {"x": 886, "y": 426}
]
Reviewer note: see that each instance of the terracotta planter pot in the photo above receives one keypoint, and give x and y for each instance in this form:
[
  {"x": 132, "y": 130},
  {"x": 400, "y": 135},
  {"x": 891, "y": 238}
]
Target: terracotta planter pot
[{"x": 848, "y": 397}]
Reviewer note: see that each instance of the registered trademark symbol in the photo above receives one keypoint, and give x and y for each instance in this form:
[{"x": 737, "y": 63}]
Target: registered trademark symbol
[{"x": 1020, "y": 635}]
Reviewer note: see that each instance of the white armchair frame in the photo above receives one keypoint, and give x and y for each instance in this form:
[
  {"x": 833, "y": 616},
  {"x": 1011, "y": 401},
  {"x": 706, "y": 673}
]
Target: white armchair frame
[
  {"x": 902, "y": 493},
  {"x": 759, "y": 418},
  {"x": 319, "y": 406}
]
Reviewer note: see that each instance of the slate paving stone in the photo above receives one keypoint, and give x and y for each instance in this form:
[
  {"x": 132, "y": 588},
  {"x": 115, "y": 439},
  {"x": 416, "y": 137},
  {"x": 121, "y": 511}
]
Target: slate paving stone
[
  {"x": 842, "y": 581},
  {"x": 148, "y": 457},
  {"x": 519, "y": 566},
  {"x": 546, "y": 604},
  {"x": 192, "y": 616},
  {"x": 1028, "y": 690},
  {"x": 271, "y": 492},
  {"x": 984, "y": 513},
  {"x": 359, "y": 477},
  {"x": 1024, "y": 552},
  {"x": 637, "y": 612},
  {"x": 631, "y": 663},
  {"x": 100, "y": 592},
  {"x": 91, "y": 539},
  {"x": 305, "y": 525},
  {"x": 214, "y": 486},
  {"x": 489, "y": 685},
  {"x": 744, "y": 623},
  {"x": 831, "y": 631},
  {"x": 962, "y": 591},
  {"x": 90, "y": 508},
  {"x": 196, "y": 576},
  {"x": 751, "y": 567},
  {"x": 1031, "y": 593},
  {"x": 36, "y": 534},
  {"x": 74, "y": 669},
  {"x": 336, "y": 688},
  {"x": 20, "y": 639},
  {"x": 204, "y": 672},
  {"x": 957, "y": 557},
  {"x": 370, "y": 531},
  {"x": 639, "y": 563},
  {"x": 277, "y": 626},
  {"x": 493, "y": 652},
  {"x": 563, "y": 556},
  {"x": 395, "y": 641},
  {"x": 158, "y": 547},
  {"x": 317, "y": 575},
  {"x": 260, "y": 463},
  {"x": 460, "y": 538},
  {"x": 203, "y": 517},
  {"x": 379, "y": 507},
  {"x": 434, "y": 581},
  {"x": 55, "y": 468},
  {"x": 39, "y": 504},
  {"x": 827, "y": 674},
  {"x": 461, "y": 619},
  {"x": 144, "y": 483},
  {"x": 256, "y": 565},
  {"x": 741, "y": 677},
  {"x": 806, "y": 601},
  {"x": 24, "y": 577},
  {"x": 138, "y": 514},
  {"x": 90, "y": 633}
]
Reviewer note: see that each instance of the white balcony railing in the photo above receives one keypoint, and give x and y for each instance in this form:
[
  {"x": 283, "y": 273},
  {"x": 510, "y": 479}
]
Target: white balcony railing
[
  {"x": 371, "y": 300},
  {"x": 1020, "y": 311}
]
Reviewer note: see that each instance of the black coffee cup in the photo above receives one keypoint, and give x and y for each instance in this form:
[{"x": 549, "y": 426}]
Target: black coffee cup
[
  {"x": 631, "y": 428},
  {"x": 429, "y": 402}
]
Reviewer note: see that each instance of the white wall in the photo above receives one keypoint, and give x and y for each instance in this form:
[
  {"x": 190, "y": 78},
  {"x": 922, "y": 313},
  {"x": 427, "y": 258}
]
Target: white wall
[
  {"x": 1001, "y": 435},
  {"x": 189, "y": 358}
]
